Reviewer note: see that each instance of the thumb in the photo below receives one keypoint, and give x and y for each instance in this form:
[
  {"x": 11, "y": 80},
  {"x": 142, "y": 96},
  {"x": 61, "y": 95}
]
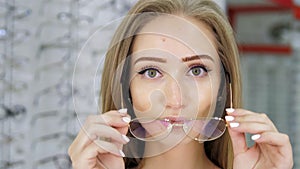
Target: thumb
[
  {"x": 238, "y": 138},
  {"x": 124, "y": 129},
  {"x": 238, "y": 142}
]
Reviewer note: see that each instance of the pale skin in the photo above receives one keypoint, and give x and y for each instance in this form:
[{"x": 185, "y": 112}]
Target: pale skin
[{"x": 271, "y": 150}]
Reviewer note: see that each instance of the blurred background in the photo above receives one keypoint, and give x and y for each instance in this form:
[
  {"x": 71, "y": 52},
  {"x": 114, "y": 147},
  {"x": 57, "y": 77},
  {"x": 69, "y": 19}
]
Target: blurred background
[{"x": 51, "y": 52}]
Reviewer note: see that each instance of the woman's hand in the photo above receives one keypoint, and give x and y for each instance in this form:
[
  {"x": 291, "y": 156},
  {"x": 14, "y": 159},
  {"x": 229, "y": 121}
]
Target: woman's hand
[
  {"x": 272, "y": 150},
  {"x": 99, "y": 143}
]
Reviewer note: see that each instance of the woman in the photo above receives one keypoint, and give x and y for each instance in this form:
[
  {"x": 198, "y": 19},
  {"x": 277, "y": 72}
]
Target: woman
[{"x": 171, "y": 57}]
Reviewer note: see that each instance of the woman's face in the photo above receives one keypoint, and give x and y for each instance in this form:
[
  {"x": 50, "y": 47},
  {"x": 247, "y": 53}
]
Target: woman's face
[{"x": 175, "y": 69}]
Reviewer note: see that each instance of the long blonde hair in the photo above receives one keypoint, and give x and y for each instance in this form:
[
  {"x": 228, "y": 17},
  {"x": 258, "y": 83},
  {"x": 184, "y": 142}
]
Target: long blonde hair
[{"x": 220, "y": 150}]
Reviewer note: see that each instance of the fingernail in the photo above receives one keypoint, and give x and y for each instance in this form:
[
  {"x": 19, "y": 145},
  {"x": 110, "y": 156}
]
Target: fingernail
[
  {"x": 93, "y": 137},
  {"x": 229, "y": 118},
  {"x": 233, "y": 125},
  {"x": 123, "y": 111},
  {"x": 126, "y": 119},
  {"x": 230, "y": 110},
  {"x": 125, "y": 138},
  {"x": 122, "y": 153},
  {"x": 255, "y": 137}
]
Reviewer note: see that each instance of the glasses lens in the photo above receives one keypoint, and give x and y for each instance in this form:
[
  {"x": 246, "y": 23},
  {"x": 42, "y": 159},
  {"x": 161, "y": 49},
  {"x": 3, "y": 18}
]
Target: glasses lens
[
  {"x": 205, "y": 129},
  {"x": 202, "y": 129},
  {"x": 149, "y": 129}
]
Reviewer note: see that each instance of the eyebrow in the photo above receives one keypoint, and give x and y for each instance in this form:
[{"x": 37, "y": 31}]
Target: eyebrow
[
  {"x": 196, "y": 57},
  {"x": 150, "y": 59},
  {"x": 185, "y": 59}
]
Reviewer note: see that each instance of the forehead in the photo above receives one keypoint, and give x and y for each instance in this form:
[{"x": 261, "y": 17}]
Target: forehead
[{"x": 176, "y": 35}]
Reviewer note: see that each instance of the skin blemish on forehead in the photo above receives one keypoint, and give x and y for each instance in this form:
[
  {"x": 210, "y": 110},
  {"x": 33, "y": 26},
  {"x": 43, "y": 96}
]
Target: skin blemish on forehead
[{"x": 163, "y": 39}]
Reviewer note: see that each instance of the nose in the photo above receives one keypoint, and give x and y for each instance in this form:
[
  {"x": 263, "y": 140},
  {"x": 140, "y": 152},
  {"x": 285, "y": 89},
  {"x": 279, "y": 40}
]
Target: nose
[{"x": 173, "y": 94}]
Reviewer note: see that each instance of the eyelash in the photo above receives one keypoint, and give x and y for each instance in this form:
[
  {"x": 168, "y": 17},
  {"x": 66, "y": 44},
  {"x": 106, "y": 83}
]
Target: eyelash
[
  {"x": 152, "y": 67},
  {"x": 146, "y": 68},
  {"x": 205, "y": 68}
]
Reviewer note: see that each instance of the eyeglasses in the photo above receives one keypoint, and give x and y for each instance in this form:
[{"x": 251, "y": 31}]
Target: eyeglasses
[
  {"x": 82, "y": 20},
  {"x": 200, "y": 129},
  {"x": 63, "y": 89},
  {"x": 18, "y": 36},
  {"x": 11, "y": 164},
  {"x": 16, "y": 111},
  {"x": 17, "y": 12}
]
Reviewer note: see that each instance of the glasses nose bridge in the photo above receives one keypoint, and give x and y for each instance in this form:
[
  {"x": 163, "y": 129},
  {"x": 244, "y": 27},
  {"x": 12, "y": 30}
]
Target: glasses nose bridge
[
  {"x": 177, "y": 124},
  {"x": 183, "y": 125}
]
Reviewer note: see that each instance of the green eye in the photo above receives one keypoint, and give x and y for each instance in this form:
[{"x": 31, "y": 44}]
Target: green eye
[
  {"x": 152, "y": 73},
  {"x": 196, "y": 71}
]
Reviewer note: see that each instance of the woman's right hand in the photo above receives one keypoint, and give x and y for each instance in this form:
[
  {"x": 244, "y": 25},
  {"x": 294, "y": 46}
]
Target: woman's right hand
[{"x": 99, "y": 143}]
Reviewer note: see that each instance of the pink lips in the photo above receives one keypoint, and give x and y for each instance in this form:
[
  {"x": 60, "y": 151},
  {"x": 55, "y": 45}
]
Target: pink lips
[{"x": 173, "y": 120}]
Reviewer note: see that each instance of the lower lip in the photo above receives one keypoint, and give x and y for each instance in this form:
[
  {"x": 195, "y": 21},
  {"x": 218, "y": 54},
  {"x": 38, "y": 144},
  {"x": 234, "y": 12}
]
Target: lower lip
[{"x": 173, "y": 120}]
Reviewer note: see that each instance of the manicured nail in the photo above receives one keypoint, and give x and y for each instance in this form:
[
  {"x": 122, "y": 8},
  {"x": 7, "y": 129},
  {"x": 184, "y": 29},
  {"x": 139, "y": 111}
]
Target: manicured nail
[
  {"x": 233, "y": 125},
  {"x": 125, "y": 138},
  {"x": 230, "y": 110},
  {"x": 229, "y": 118},
  {"x": 122, "y": 111},
  {"x": 255, "y": 137},
  {"x": 126, "y": 119},
  {"x": 122, "y": 153},
  {"x": 93, "y": 137}
]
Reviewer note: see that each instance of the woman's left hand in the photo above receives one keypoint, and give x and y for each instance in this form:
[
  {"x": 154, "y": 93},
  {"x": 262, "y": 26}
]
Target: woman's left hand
[{"x": 271, "y": 150}]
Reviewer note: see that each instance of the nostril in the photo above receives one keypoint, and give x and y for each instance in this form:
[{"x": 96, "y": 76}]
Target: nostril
[{"x": 174, "y": 105}]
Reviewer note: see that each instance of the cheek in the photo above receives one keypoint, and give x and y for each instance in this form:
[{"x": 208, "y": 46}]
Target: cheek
[
  {"x": 206, "y": 100},
  {"x": 140, "y": 101},
  {"x": 140, "y": 96}
]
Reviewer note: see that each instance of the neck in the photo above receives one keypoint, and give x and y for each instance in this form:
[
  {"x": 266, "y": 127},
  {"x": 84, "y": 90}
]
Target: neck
[{"x": 191, "y": 156}]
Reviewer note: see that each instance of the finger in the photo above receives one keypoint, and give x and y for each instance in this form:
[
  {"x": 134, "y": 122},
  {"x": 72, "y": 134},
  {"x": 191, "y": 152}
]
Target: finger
[
  {"x": 111, "y": 118},
  {"x": 88, "y": 157},
  {"x": 102, "y": 131},
  {"x": 245, "y": 116},
  {"x": 120, "y": 123},
  {"x": 280, "y": 144},
  {"x": 251, "y": 127},
  {"x": 258, "y": 118},
  {"x": 108, "y": 147},
  {"x": 115, "y": 118},
  {"x": 272, "y": 138},
  {"x": 96, "y": 131},
  {"x": 92, "y": 131},
  {"x": 238, "y": 112},
  {"x": 238, "y": 141}
]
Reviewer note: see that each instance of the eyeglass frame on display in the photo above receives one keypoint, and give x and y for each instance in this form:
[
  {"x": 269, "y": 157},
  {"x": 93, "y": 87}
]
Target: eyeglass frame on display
[
  {"x": 18, "y": 12},
  {"x": 5, "y": 164}
]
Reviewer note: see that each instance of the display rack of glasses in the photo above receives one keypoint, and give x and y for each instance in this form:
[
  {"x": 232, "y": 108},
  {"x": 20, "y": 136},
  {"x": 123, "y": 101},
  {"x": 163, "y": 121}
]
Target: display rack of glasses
[
  {"x": 11, "y": 153},
  {"x": 270, "y": 75},
  {"x": 40, "y": 42}
]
